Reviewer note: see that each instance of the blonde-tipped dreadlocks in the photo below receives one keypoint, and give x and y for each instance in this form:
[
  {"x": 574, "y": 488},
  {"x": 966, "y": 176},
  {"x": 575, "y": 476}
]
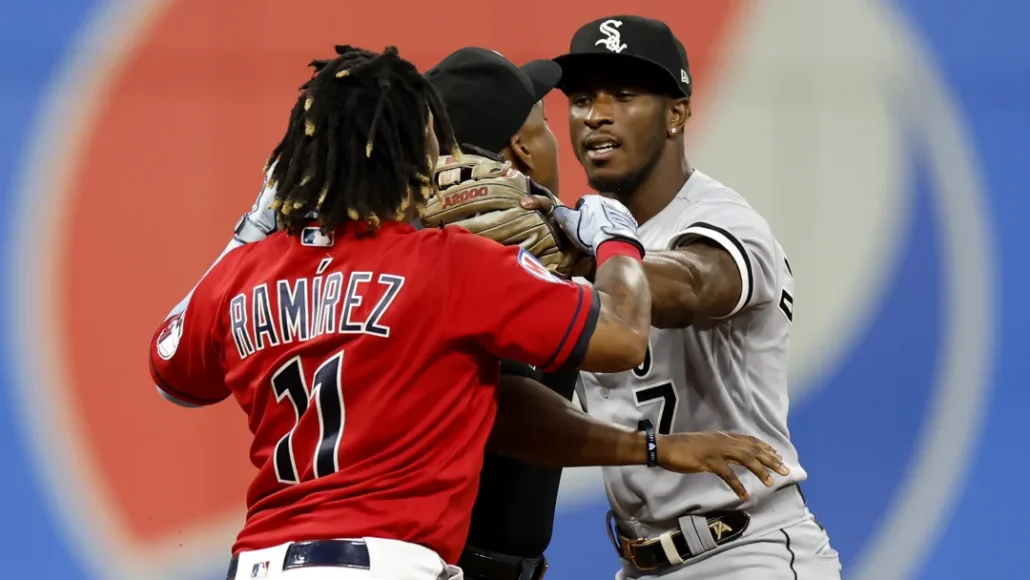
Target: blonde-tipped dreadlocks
[{"x": 355, "y": 148}]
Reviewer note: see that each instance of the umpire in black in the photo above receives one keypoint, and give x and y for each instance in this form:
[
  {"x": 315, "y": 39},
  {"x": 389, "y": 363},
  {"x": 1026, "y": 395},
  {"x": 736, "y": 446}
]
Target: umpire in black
[{"x": 497, "y": 107}]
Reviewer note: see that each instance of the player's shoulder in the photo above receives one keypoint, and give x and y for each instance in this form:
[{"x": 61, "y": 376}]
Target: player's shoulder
[
  {"x": 468, "y": 253},
  {"x": 231, "y": 264},
  {"x": 455, "y": 238},
  {"x": 708, "y": 208},
  {"x": 708, "y": 198},
  {"x": 451, "y": 248},
  {"x": 705, "y": 193},
  {"x": 701, "y": 187},
  {"x": 702, "y": 198},
  {"x": 247, "y": 257},
  {"x": 222, "y": 278}
]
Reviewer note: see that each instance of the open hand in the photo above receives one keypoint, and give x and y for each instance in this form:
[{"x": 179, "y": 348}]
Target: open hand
[
  {"x": 596, "y": 220},
  {"x": 713, "y": 451},
  {"x": 585, "y": 266}
]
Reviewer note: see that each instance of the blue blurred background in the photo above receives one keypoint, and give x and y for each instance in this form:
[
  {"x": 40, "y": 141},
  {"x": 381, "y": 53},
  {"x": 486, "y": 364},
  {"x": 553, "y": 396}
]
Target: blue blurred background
[{"x": 886, "y": 142}]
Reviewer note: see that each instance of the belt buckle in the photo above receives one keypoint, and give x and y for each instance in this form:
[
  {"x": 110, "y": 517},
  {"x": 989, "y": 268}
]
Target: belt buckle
[{"x": 627, "y": 550}]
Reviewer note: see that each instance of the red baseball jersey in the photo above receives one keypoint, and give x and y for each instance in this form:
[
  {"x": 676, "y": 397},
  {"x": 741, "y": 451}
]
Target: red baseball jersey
[{"x": 366, "y": 365}]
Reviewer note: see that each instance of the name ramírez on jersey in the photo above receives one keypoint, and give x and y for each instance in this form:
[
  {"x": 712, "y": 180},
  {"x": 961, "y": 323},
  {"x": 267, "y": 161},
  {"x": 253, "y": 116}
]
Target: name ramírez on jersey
[{"x": 305, "y": 308}]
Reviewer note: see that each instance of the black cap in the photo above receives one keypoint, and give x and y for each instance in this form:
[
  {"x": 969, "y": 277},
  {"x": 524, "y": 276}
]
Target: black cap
[
  {"x": 629, "y": 40},
  {"x": 487, "y": 97}
]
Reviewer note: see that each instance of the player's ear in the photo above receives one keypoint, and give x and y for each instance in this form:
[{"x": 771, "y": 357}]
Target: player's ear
[
  {"x": 679, "y": 112},
  {"x": 519, "y": 154}
]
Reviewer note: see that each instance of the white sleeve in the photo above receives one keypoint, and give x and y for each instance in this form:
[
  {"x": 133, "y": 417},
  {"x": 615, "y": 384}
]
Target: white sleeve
[
  {"x": 260, "y": 221},
  {"x": 744, "y": 235},
  {"x": 581, "y": 395}
]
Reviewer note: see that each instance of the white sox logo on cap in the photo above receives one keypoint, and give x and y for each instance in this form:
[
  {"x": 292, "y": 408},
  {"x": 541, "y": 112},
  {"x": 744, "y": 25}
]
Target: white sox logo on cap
[{"x": 613, "y": 38}]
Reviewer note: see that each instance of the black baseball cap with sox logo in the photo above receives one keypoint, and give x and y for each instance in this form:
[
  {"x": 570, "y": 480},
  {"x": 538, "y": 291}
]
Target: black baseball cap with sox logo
[{"x": 633, "y": 44}]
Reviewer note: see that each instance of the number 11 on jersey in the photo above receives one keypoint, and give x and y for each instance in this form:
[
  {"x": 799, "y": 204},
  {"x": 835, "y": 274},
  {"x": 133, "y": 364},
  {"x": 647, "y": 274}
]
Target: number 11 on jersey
[{"x": 327, "y": 393}]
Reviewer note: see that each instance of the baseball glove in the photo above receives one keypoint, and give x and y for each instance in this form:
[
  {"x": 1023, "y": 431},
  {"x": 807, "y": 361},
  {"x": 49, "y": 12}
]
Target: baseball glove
[{"x": 483, "y": 195}]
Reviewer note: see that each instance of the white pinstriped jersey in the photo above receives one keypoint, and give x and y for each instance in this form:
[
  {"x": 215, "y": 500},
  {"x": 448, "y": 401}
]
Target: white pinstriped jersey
[{"x": 728, "y": 375}]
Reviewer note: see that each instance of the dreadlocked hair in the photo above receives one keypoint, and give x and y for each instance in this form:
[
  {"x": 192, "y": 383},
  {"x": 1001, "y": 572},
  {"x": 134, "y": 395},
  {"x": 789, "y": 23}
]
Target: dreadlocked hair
[{"x": 355, "y": 148}]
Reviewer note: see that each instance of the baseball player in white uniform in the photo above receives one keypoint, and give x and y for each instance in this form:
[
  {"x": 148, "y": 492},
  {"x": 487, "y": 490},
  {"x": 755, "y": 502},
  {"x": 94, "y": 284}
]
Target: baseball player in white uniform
[{"x": 722, "y": 293}]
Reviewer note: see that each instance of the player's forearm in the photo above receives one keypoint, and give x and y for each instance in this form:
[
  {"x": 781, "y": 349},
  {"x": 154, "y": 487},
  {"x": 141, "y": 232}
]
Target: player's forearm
[
  {"x": 626, "y": 296},
  {"x": 536, "y": 425},
  {"x": 694, "y": 281},
  {"x": 619, "y": 341},
  {"x": 676, "y": 284}
]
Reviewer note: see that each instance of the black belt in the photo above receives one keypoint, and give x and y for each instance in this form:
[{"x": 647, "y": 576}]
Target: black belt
[
  {"x": 482, "y": 565},
  {"x": 325, "y": 553},
  {"x": 649, "y": 554}
]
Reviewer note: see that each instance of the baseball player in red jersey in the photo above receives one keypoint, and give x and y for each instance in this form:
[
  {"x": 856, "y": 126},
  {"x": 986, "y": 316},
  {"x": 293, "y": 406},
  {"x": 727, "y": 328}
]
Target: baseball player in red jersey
[
  {"x": 350, "y": 308},
  {"x": 357, "y": 310}
]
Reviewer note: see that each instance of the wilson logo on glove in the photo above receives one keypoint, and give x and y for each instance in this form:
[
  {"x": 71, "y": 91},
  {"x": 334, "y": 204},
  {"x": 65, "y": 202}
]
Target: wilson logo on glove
[{"x": 463, "y": 196}]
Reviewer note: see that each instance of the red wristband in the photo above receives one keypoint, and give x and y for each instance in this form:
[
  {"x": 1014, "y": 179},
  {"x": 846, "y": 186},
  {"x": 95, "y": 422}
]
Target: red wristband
[{"x": 618, "y": 247}]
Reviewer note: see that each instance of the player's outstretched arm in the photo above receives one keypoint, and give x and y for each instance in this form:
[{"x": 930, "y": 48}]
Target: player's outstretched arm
[
  {"x": 536, "y": 425},
  {"x": 719, "y": 264},
  {"x": 722, "y": 260},
  {"x": 605, "y": 229},
  {"x": 698, "y": 280}
]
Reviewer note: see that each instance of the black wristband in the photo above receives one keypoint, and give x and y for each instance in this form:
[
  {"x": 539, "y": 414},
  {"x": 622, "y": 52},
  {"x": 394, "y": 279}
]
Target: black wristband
[{"x": 652, "y": 442}]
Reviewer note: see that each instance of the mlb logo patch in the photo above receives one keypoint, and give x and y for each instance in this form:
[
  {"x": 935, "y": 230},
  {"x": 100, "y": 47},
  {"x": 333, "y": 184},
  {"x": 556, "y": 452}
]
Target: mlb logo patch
[
  {"x": 260, "y": 570},
  {"x": 315, "y": 238},
  {"x": 530, "y": 264}
]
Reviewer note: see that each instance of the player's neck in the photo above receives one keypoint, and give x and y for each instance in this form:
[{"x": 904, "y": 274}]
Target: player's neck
[{"x": 660, "y": 187}]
